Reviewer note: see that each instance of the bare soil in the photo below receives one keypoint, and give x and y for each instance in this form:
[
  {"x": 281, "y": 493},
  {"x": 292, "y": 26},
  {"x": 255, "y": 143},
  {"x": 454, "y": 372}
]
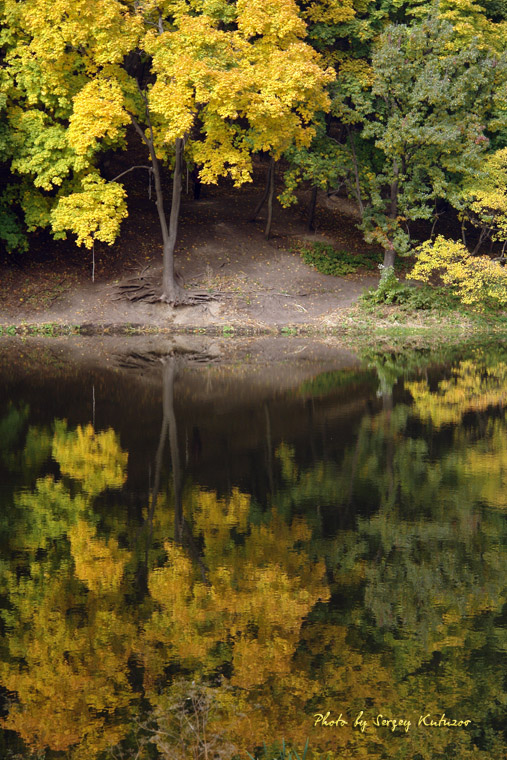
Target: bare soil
[{"x": 259, "y": 284}]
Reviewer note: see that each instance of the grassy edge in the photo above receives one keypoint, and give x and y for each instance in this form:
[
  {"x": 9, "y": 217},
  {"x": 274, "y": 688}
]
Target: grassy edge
[{"x": 355, "y": 322}]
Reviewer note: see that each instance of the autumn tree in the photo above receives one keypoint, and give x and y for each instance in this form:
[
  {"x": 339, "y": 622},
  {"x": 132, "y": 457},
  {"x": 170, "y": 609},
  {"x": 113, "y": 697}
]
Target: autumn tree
[
  {"x": 217, "y": 81},
  {"x": 433, "y": 107},
  {"x": 417, "y": 104}
]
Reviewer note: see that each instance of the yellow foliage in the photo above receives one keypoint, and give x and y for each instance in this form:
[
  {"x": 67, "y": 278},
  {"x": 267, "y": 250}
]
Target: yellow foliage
[
  {"x": 330, "y": 11},
  {"x": 93, "y": 214},
  {"x": 98, "y": 112},
  {"x": 41, "y": 151},
  {"x": 475, "y": 279},
  {"x": 242, "y": 67},
  {"x": 95, "y": 459},
  {"x": 277, "y": 21},
  {"x": 487, "y": 196},
  {"x": 70, "y": 678},
  {"x": 54, "y": 25},
  {"x": 260, "y": 74},
  {"x": 472, "y": 24},
  {"x": 262, "y": 583}
]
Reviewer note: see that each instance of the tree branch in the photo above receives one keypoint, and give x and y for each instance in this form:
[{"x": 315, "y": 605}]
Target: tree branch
[
  {"x": 139, "y": 129},
  {"x": 148, "y": 119},
  {"x": 149, "y": 168}
]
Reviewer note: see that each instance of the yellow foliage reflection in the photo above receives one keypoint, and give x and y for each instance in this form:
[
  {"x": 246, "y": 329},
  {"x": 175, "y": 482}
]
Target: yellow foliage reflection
[
  {"x": 99, "y": 564},
  {"x": 68, "y": 665},
  {"x": 253, "y": 597},
  {"x": 486, "y": 466},
  {"x": 68, "y": 648},
  {"x": 231, "y": 625},
  {"x": 473, "y": 387},
  {"x": 94, "y": 459}
]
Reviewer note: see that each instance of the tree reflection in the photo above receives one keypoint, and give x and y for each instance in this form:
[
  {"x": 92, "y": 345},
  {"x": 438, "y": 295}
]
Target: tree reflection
[
  {"x": 254, "y": 617},
  {"x": 68, "y": 638}
]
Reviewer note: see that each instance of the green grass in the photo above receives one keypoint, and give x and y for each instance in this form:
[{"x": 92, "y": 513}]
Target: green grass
[{"x": 47, "y": 329}]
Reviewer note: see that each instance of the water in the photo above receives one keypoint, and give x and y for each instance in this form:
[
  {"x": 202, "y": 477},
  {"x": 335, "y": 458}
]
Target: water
[{"x": 201, "y": 554}]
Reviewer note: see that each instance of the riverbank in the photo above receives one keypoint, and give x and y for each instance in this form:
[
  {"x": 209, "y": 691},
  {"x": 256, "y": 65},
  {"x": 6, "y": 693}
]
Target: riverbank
[
  {"x": 256, "y": 287},
  {"x": 356, "y": 323}
]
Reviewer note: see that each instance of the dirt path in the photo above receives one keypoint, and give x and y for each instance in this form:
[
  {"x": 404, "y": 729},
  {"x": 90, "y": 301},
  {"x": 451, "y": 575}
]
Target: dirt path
[{"x": 261, "y": 284}]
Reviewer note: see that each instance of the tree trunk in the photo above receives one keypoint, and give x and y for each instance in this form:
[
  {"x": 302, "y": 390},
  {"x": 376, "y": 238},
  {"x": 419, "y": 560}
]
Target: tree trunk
[
  {"x": 267, "y": 231},
  {"x": 482, "y": 237},
  {"x": 171, "y": 292},
  {"x": 389, "y": 257},
  {"x": 390, "y": 253},
  {"x": 356, "y": 172},
  {"x": 168, "y": 401},
  {"x": 265, "y": 193},
  {"x": 311, "y": 210},
  {"x": 158, "y": 473}
]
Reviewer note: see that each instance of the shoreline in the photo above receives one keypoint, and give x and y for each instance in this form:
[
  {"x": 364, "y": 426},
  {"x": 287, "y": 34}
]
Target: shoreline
[{"x": 367, "y": 327}]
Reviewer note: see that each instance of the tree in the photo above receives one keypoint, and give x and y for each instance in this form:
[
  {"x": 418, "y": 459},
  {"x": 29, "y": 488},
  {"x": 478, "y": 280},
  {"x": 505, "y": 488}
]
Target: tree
[
  {"x": 417, "y": 103},
  {"x": 433, "y": 106},
  {"x": 216, "y": 80}
]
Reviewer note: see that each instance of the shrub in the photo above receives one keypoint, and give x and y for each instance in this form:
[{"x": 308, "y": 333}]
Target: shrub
[
  {"x": 328, "y": 260},
  {"x": 475, "y": 280},
  {"x": 391, "y": 291}
]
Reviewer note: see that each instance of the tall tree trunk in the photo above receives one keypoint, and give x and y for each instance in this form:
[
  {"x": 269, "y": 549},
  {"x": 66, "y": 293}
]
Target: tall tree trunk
[
  {"x": 182, "y": 531},
  {"x": 390, "y": 253},
  {"x": 311, "y": 210},
  {"x": 267, "y": 231},
  {"x": 265, "y": 193},
  {"x": 171, "y": 292},
  {"x": 355, "y": 164},
  {"x": 158, "y": 472}
]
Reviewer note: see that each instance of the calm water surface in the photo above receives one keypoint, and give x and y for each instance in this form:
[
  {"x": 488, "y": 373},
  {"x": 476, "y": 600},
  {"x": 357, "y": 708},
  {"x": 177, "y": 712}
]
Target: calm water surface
[{"x": 199, "y": 556}]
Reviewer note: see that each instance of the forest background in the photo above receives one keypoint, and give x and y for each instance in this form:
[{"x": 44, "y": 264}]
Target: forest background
[{"x": 399, "y": 106}]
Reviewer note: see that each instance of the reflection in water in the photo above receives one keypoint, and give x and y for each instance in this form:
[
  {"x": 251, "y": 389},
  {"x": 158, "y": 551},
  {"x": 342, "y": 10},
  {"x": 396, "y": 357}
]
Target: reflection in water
[{"x": 363, "y": 575}]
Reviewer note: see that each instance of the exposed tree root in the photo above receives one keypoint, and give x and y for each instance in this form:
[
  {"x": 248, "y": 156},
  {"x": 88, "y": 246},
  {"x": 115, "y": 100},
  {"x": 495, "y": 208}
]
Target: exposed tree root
[
  {"x": 142, "y": 288},
  {"x": 136, "y": 360}
]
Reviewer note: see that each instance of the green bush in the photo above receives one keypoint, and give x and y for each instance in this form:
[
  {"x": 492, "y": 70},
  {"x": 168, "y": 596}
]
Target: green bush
[
  {"x": 328, "y": 260},
  {"x": 391, "y": 291}
]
